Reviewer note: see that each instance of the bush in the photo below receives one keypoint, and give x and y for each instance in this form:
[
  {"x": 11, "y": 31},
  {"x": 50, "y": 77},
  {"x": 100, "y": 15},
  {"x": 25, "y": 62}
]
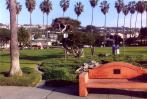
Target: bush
[
  {"x": 58, "y": 74},
  {"x": 60, "y": 69}
]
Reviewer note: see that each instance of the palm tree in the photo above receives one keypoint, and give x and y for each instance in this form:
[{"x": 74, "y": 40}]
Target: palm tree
[
  {"x": 136, "y": 15},
  {"x": 64, "y": 4},
  {"x": 104, "y": 9},
  {"x": 145, "y": 2},
  {"x": 14, "y": 50},
  {"x": 42, "y": 8},
  {"x": 125, "y": 12},
  {"x": 140, "y": 8},
  {"x": 93, "y": 4},
  {"x": 18, "y": 8},
  {"x": 132, "y": 9},
  {"x": 48, "y": 8},
  {"x": 30, "y": 5},
  {"x": 119, "y": 6},
  {"x": 79, "y": 7}
]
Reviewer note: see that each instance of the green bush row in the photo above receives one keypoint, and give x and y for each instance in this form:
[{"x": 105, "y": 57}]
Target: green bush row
[{"x": 60, "y": 69}]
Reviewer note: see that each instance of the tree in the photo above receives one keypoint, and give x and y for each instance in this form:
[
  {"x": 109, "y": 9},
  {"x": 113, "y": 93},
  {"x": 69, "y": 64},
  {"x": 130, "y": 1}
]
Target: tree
[
  {"x": 23, "y": 36},
  {"x": 145, "y": 2},
  {"x": 37, "y": 35},
  {"x": 72, "y": 43},
  {"x": 125, "y": 12},
  {"x": 132, "y": 7},
  {"x": 66, "y": 24},
  {"x": 30, "y": 5},
  {"x": 18, "y": 8},
  {"x": 78, "y": 9},
  {"x": 93, "y": 4},
  {"x": 14, "y": 50},
  {"x": 119, "y": 6},
  {"x": 48, "y": 8},
  {"x": 104, "y": 9},
  {"x": 4, "y": 36},
  {"x": 4, "y": 33},
  {"x": 140, "y": 8},
  {"x": 42, "y": 8},
  {"x": 64, "y": 4},
  {"x": 136, "y": 15}
]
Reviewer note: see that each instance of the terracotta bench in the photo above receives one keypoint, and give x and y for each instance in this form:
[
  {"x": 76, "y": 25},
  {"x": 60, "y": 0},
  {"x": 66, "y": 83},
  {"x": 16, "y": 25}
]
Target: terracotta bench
[{"x": 117, "y": 75}]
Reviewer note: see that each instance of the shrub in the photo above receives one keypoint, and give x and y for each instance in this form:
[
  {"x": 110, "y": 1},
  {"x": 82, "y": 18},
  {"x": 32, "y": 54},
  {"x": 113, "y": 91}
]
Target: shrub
[
  {"x": 58, "y": 74},
  {"x": 60, "y": 69}
]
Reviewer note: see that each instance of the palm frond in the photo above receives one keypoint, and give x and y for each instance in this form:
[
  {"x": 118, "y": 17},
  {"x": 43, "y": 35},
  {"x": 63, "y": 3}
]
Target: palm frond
[
  {"x": 79, "y": 7},
  {"x": 104, "y": 7},
  {"x": 30, "y": 5}
]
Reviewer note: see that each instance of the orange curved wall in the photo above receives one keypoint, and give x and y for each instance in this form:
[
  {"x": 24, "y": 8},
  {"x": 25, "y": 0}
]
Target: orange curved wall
[{"x": 127, "y": 71}]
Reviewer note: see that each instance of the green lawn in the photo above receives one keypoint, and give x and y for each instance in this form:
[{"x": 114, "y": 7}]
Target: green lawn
[
  {"x": 29, "y": 58},
  {"x": 28, "y": 61},
  {"x": 55, "y": 57}
]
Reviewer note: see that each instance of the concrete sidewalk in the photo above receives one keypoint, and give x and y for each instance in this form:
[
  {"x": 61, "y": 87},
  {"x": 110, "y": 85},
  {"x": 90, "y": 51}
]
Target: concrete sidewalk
[{"x": 69, "y": 92}]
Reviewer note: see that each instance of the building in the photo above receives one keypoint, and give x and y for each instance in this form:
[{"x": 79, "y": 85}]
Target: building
[{"x": 4, "y": 26}]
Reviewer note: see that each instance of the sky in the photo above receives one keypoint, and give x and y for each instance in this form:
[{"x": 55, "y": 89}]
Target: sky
[{"x": 85, "y": 17}]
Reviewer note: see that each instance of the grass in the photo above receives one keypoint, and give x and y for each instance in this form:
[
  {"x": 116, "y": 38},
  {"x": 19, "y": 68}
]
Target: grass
[
  {"x": 49, "y": 58},
  {"x": 28, "y": 61}
]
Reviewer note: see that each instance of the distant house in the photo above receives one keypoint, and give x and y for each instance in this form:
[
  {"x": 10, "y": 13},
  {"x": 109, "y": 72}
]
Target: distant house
[{"x": 4, "y": 26}]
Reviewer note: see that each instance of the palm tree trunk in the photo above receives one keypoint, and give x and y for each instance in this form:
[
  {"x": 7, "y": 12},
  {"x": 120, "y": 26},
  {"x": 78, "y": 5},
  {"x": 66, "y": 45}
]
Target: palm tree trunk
[
  {"x": 30, "y": 26},
  {"x": 141, "y": 20},
  {"x": 124, "y": 35},
  {"x": 136, "y": 21},
  {"x": 77, "y": 17},
  {"x": 117, "y": 26},
  {"x": 146, "y": 19},
  {"x": 92, "y": 45},
  {"x": 43, "y": 22},
  {"x": 14, "y": 50},
  {"x": 117, "y": 23},
  {"x": 47, "y": 22},
  {"x": 105, "y": 30},
  {"x": 63, "y": 13},
  {"x": 92, "y": 16},
  {"x": 130, "y": 25}
]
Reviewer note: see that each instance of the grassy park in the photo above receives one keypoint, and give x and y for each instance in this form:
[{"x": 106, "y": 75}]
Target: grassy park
[{"x": 55, "y": 67}]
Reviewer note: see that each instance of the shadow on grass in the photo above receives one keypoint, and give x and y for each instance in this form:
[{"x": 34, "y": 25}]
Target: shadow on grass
[
  {"x": 1, "y": 62},
  {"x": 4, "y": 55},
  {"x": 4, "y": 62},
  {"x": 5, "y": 74},
  {"x": 143, "y": 63},
  {"x": 40, "y": 58},
  {"x": 27, "y": 70},
  {"x": 133, "y": 51}
]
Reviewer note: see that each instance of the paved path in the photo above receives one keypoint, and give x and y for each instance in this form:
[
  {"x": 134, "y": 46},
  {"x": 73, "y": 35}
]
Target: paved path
[{"x": 67, "y": 93}]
